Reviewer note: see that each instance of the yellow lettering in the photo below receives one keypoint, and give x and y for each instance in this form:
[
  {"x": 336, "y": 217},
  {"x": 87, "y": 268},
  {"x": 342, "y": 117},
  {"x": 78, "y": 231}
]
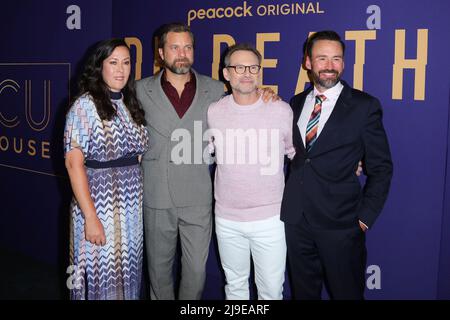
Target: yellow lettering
[
  {"x": 261, "y": 39},
  {"x": 271, "y": 10},
  {"x": 15, "y": 147},
  {"x": 300, "y": 7},
  {"x": 38, "y": 126},
  {"x": 10, "y": 84},
  {"x": 261, "y": 10},
  {"x": 201, "y": 14},
  {"x": 360, "y": 38},
  {"x": 285, "y": 9},
  {"x": 4, "y": 143},
  {"x": 236, "y": 12},
  {"x": 211, "y": 13},
  {"x": 219, "y": 15},
  {"x": 318, "y": 8},
  {"x": 31, "y": 147},
  {"x": 311, "y": 8},
  {"x": 229, "y": 12},
  {"x": 45, "y": 149},
  {"x": 247, "y": 10},
  {"x": 418, "y": 64},
  {"x": 192, "y": 14}
]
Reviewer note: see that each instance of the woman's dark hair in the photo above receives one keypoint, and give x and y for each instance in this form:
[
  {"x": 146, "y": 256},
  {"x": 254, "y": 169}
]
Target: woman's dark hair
[{"x": 91, "y": 82}]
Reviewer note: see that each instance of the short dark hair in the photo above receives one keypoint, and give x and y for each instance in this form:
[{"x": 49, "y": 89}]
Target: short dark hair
[
  {"x": 177, "y": 27},
  {"x": 323, "y": 35},
  {"x": 240, "y": 47}
]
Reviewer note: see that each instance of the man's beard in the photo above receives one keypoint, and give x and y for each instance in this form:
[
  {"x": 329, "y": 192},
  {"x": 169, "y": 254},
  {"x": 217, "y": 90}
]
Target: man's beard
[
  {"x": 244, "y": 89},
  {"x": 180, "y": 69},
  {"x": 328, "y": 82}
]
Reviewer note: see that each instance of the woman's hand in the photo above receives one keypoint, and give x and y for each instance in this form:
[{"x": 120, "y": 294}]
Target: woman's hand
[{"x": 94, "y": 231}]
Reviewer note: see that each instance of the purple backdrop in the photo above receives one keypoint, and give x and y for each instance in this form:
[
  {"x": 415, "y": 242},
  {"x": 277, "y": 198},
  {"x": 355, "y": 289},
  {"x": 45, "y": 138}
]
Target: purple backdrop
[{"x": 410, "y": 243}]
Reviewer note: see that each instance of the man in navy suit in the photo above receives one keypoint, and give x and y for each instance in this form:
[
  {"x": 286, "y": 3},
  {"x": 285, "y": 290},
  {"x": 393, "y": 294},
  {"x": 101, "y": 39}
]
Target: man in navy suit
[{"x": 325, "y": 210}]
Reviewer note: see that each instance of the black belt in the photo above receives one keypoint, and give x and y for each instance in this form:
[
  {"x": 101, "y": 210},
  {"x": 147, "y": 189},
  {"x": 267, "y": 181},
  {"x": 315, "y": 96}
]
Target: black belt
[{"x": 121, "y": 162}]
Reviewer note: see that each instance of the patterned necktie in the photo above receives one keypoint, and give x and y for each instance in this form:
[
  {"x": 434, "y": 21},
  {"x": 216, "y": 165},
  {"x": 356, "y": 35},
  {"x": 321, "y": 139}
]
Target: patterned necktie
[{"x": 313, "y": 123}]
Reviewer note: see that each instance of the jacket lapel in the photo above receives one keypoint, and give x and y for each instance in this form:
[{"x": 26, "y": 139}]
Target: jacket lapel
[
  {"x": 297, "y": 109},
  {"x": 200, "y": 97},
  {"x": 327, "y": 137},
  {"x": 159, "y": 98}
]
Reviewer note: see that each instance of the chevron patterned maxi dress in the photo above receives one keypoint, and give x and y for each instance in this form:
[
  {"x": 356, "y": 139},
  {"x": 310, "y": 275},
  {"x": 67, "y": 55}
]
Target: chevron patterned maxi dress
[{"x": 112, "y": 271}]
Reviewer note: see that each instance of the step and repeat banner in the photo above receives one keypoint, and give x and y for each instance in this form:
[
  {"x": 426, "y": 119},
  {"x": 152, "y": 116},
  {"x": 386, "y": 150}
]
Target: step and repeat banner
[{"x": 396, "y": 51}]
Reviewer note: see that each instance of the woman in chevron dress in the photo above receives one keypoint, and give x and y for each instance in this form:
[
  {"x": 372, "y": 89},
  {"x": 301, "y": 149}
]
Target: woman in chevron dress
[{"x": 105, "y": 137}]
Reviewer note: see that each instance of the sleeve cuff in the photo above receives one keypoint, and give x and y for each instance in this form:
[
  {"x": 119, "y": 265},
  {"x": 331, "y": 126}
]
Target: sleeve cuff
[{"x": 364, "y": 224}]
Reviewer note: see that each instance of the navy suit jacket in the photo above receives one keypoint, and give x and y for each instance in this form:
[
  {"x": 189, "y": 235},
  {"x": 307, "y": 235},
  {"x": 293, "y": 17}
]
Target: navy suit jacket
[{"x": 322, "y": 184}]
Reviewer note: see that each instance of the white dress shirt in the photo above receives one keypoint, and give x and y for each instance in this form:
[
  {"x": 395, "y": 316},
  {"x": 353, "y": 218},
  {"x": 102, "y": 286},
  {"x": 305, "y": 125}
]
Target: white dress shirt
[{"x": 332, "y": 95}]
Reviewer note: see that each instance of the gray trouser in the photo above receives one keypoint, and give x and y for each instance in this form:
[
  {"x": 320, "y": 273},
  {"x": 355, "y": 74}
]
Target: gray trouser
[{"x": 162, "y": 227}]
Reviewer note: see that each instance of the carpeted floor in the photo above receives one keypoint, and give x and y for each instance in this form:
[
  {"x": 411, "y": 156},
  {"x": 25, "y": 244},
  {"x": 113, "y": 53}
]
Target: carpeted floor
[{"x": 23, "y": 278}]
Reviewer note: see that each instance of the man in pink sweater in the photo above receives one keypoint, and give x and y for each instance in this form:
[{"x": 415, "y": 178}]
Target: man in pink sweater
[{"x": 250, "y": 139}]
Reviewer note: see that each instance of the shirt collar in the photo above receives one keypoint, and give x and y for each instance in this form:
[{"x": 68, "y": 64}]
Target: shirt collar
[{"x": 332, "y": 94}]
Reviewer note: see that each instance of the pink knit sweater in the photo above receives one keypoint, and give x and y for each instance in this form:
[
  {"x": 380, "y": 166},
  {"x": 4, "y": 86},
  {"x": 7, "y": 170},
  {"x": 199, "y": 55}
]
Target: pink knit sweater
[{"x": 250, "y": 142}]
